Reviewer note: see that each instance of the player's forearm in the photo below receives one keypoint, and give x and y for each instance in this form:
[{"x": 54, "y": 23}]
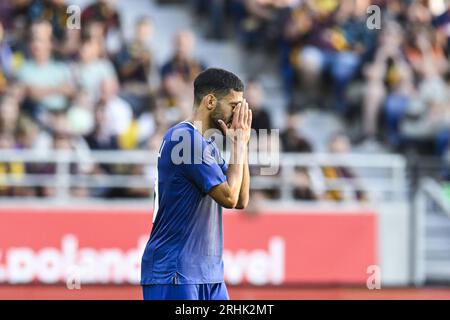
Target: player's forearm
[
  {"x": 236, "y": 171},
  {"x": 244, "y": 193}
]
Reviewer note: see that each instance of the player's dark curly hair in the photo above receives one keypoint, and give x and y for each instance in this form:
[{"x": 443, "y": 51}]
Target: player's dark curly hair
[{"x": 216, "y": 81}]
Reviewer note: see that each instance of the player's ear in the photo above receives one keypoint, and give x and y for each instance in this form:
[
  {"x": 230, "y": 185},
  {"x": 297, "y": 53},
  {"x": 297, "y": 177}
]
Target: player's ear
[{"x": 210, "y": 101}]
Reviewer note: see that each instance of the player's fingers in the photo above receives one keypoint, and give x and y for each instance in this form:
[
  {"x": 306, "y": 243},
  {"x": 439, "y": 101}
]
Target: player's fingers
[
  {"x": 236, "y": 108},
  {"x": 236, "y": 114},
  {"x": 247, "y": 109},
  {"x": 243, "y": 111},
  {"x": 250, "y": 118}
]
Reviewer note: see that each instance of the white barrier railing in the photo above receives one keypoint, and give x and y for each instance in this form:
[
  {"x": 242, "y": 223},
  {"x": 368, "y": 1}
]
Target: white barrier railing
[
  {"x": 381, "y": 177},
  {"x": 431, "y": 233}
]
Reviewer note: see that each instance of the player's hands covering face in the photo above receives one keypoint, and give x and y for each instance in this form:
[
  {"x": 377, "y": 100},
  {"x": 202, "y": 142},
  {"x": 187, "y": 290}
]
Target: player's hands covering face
[{"x": 240, "y": 128}]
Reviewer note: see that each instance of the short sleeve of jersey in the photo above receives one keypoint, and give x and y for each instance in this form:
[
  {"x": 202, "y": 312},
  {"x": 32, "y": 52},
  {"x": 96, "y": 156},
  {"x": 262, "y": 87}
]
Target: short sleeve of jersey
[{"x": 204, "y": 171}]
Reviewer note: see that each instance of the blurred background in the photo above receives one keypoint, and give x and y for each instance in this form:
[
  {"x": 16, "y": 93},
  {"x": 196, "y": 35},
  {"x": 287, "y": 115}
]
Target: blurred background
[{"x": 359, "y": 104}]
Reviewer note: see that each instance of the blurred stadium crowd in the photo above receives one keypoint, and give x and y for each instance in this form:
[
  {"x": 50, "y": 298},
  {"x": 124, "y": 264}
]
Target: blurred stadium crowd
[{"x": 92, "y": 89}]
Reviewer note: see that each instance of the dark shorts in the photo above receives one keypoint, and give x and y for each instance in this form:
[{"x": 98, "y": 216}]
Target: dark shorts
[{"x": 208, "y": 291}]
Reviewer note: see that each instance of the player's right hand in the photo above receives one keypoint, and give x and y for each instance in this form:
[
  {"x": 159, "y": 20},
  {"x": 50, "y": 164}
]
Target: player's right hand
[{"x": 241, "y": 125}]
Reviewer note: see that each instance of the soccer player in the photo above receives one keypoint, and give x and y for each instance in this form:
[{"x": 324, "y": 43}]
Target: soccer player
[{"x": 183, "y": 258}]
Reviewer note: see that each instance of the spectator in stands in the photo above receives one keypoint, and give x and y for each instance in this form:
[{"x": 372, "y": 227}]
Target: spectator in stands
[
  {"x": 135, "y": 58},
  {"x": 104, "y": 15},
  {"x": 67, "y": 142},
  {"x": 118, "y": 113},
  {"x": 15, "y": 123},
  {"x": 173, "y": 100},
  {"x": 182, "y": 62},
  {"x": 397, "y": 103},
  {"x": 441, "y": 24},
  {"x": 41, "y": 30},
  {"x": 15, "y": 169},
  {"x": 100, "y": 138},
  {"x": 381, "y": 74},
  {"x": 216, "y": 12},
  {"x": 146, "y": 123},
  {"x": 53, "y": 11},
  {"x": 6, "y": 14},
  {"x": 255, "y": 97},
  {"x": 92, "y": 70},
  {"x": 349, "y": 187},
  {"x": 303, "y": 185},
  {"x": 27, "y": 133},
  {"x": 7, "y": 142},
  {"x": 64, "y": 141},
  {"x": 66, "y": 40},
  {"x": 255, "y": 26},
  {"x": 416, "y": 93},
  {"x": 102, "y": 11},
  {"x": 429, "y": 113},
  {"x": 331, "y": 40},
  {"x": 291, "y": 140},
  {"x": 59, "y": 137},
  {"x": 48, "y": 84},
  {"x": 136, "y": 68},
  {"x": 310, "y": 34},
  {"x": 424, "y": 51},
  {"x": 69, "y": 47},
  {"x": 16, "y": 23},
  {"x": 59, "y": 126},
  {"x": 6, "y": 60},
  {"x": 353, "y": 41},
  {"x": 408, "y": 60},
  {"x": 81, "y": 114},
  {"x": 94, "y": 30},
  {"x": 9, "y": 115}
]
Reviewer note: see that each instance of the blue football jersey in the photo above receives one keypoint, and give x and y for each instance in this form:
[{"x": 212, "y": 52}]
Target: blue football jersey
[{"x": 186, "y": 241}]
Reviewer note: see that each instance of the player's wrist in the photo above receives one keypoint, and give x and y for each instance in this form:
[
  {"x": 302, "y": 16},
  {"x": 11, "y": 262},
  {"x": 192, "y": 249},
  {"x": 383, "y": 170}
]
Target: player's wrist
[{"x": 238, "y": 152}]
